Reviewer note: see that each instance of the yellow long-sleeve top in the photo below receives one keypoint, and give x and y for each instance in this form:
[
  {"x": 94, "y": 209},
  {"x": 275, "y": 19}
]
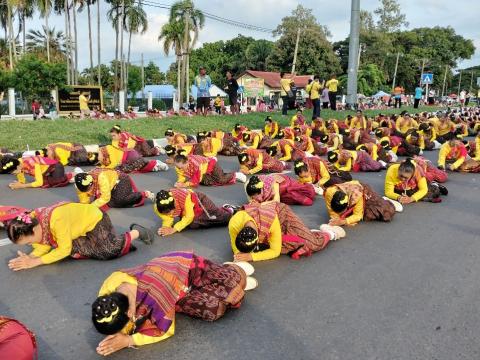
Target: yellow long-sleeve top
[
  {"x": 293, "y": 121},
  {"x": 477, "y": 148},
  {"x": 107, "y": 180},
  {"x": 188, "y": 215},
  {"x": 449, "y": 153},
  {"x": 271, "y": 130},
  {"x": 110, "y": 285},
  {"x": 258, "y": 165},
  {"x": 403, "y": 125},
  {"x": 315, "y": 88},
  {"x": 430, "y": 135},
  {"x": 39, "y": 170},
  {"x": 116, "y": 157},
  {"x": 392, "y": 181},
  {"x": 191, "y": 175},
  {"x": 349, "y": 163},
  {"x": 215, "y": 146},
  {"x": 420, "y": 143},
  {"x": 67, "y": 223},
  {"x": 237, "y": 223},
  {"x": 319, "y": 173},
  {"x": 130, "y": 144},
  {"x": 357, "y": 123},
  {"x": 333, "y": 128},
  {"x": 286, "y": 149},
  {"x": 255, "y": 138},
  {"x": 62, "y": 155},
  {"x": 443, "y": 128},
  {"x": 358, "y": 207}
]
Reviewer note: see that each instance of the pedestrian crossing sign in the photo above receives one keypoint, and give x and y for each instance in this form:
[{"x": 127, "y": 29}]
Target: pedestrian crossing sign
[{"x": 427, "y": 79}]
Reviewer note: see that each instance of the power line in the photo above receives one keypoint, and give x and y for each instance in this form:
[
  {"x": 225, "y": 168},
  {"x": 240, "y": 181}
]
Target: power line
[{"x": 211, "y": 17}]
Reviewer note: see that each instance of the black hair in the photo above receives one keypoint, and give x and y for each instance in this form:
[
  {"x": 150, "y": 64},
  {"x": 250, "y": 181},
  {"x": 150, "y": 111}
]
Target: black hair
[
  {"x": 92, "y": 158},
  {"x": 116, "y": 129},
  {"x": 361, "y": 147},
  {"x": 272, "y": 150},
  {"x": 237, "y": 126},
  {"x": 8, "y": 164},
  {"x": 170, "y": 150},
  {"x": 332, "y": 156},
  {"x": 246, "y": 136},
  {"x": 323, "y": 138},
  {"x": 164, "y": 201},
  {"x": 415, "y": 133},
  {"x": 169, "y": 132},
  {"x": 407, "y": 166},
  {"x": 269, "y": 119},
  {"x": 316, "y": 77},
  {"x": 242, "y": 158},
  {"x": 83, "y": 181},
  {"x": 18, "y": 227},
  {"x": 385, "y": 144},
  {"x": 247, "y": 241},
  {"x": 339, "y": 202},
  {"x": 424, "y": 126},
  {"x": 252, "y": 187},
  {"x": 41, "y": 152},
  {"x": 202, "y": 135},
  {"x": 282, "y": 73},
  {"x": 300, "y": 166},
  {"x": 379, "y": 132},
  {"x": 105, "y": 307},
  {"x": 180, "y": 158},
  {"x": 280, "y": 135}
]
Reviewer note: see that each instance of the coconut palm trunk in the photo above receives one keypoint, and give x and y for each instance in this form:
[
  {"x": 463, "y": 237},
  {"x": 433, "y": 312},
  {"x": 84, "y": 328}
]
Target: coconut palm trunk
[
  {"x": 10, "y": 35},
  {"x": 47, "y": 30},
  {"x": 67, "y": 38},
  {"x": 90, "y": 45},
  {"x": 75, "y": 38},
  {"x": 99, "y": 73}
]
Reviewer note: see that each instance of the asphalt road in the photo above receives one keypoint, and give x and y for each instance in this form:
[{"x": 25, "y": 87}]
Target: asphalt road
[{"x": 404, "y": 290}]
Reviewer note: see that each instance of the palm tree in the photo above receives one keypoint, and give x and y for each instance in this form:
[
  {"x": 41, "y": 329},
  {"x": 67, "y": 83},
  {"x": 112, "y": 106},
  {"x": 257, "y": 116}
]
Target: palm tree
[
  {"x": 171, "y": 34},
  {"x": 37, "y": 42},
  {"x": 82, "y": 4},
  {"x": 115, "y": 15},
  {"x": 193, "y": 20},
  {"x": 25, "y": 9},
  {"x": 135, "y": 22},
  {"x": 99, "y": 72},
  {"x": 45, "y": 7}
]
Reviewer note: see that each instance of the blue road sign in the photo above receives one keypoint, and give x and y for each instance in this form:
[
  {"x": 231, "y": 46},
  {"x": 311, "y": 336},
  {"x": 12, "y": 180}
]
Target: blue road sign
[
  {"x": 427, "y": 78},
  {"x": 240, "y": 90}
]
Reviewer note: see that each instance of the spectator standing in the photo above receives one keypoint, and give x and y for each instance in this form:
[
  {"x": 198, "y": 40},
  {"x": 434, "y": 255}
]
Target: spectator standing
[
  {"x": 315, "y": 89},
  {"x": 232, "y": 91},
  {"x": 332, "y": 86},
  {"x": 418, "y": 96},
  {"x": 52, "y": 108},
  {"x": 397, "y": 94},
  {"x": 84, "y": 109},
  {"x": 325, "y": 98},
  {"x": 203, "y": 84},
  {"x": 191, "y": 104},
  {"x": 462, "y": 97},
  {"x": 286, "y": 91},
  {"x": 308, "y": 102},
  {"x": 218, "y": 104},
  {"x": 35, "y": 109},
  {"x": 467, "y": 98}
]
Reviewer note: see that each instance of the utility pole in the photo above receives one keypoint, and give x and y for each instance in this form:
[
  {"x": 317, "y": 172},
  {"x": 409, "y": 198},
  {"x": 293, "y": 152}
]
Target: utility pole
[
  {"x": 444, "y": 80},
  {"x": 295, "y": 52},
  {"x": 459, "y": 82},
  {"x": 471, "y": 83},
  {"x": 353, "y": 54},
  {"x": 187, "y": 55},
  {"x": 143, "y": 81},
  {"x": 395, "y": 72}
]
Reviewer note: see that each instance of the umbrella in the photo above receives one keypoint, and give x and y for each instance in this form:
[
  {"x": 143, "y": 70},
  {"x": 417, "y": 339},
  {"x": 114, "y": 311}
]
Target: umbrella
[{"x": 380, "y": 94}]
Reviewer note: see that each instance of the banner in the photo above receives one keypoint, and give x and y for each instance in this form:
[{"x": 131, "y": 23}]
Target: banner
[
  {"x": 67, "y": 98},
  {"x": 254, "y": 87}
]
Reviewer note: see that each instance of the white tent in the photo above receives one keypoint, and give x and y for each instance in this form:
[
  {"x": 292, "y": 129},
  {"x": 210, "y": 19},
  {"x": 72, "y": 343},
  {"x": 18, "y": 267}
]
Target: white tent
[
  {"x": 214, "y": 91},
  {"x": 380, "y": 94}
]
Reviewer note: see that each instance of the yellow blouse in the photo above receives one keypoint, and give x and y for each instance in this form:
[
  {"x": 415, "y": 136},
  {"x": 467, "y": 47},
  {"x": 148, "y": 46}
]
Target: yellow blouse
[
  {"x": 110, "y": 285},
  {"x": 107, "y": 180},
  {"x": 116, "y": 157},
  {"x": 130, "y": 145},
  {"x": 358, "y": 209},
  {"x": 442, "y": 157},
  {"x": 182, "y": 178},
  {"x": 188, "y": 216},
  {"x": 216, "y": 147},
  {"x": 38, "y": 175},
  {"x": 67, "y": 223},
  {"x": 477, "y": 148},
  {"x": 287, "y": 150},
  {"x": 237, "y": 223},
  {"x": 62, "y": 154},
  {"x": 392, "y": 179}
]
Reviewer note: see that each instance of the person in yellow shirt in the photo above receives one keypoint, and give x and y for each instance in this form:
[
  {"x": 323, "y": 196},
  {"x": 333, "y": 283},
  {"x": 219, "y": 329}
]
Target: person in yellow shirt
[
  {"x": 83, "y": 100},
  {"x": 137, "y": 306},
  {"x": 253, "y": 161},
  {"x": 356, "y": 161},
  {"x": 255, "y": 140},
  {"x": 359, "y": 121},
  {"x": 331, "y": 140},
  {"x": 109, "y": 189},
  {"x": 332, "y": 86},
  {"x": 453, "y": 156},
  {"x": 46, "y": 172},
  {"x": 473, "y": 148},
  {"x": 194, "y": 209},
  {"x": 210, "y": 146},
  {"x": 298, "y": 119},
  {"x": 351, "y": 202},
  {"x": 445, "y": 129},
  {"x": 271, "y": 127},
  {"x": 263, "y": 231},
  {"x": 315, "y": 89},
  {"x": 405, "y": 123},
  {"x": 318, "y": 172},
  {"x": 127, "y": 161},
  {"x": 285, "y": 91},
  {"x": 280, "y": 188},
  {"x": 183, "y": 149},
  {"x": 284, "y": 150},
  {"x": 66, "y": 153},
  {"x": 69, "y": 229},
  {"x": 406, "y": 183},
  {"x": 427, "y": 131},
  {"x": 124, "y": 140}
]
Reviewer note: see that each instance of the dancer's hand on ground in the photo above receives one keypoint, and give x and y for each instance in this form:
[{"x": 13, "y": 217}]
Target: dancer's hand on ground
[
  {"x": 16, "y": 185},
  {"x": 337, "y": 222},
  {"x": 181, "y": 185},
  {"x": 405, "y": 199},
  {"x": 165, "y": 231},
  {"x": 242, "y": 257},
  {"x": 23, "y": 262},
  {"x": 113, "y": 343},
  {"x": 451, "y": 168}
]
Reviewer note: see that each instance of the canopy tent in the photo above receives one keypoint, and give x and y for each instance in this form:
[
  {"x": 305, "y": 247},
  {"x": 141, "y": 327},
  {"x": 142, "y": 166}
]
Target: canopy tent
[
  {"x": 214, "y": 91},
  {"x": 158, "y": 91},
  {"x": 380, "y": 94}
]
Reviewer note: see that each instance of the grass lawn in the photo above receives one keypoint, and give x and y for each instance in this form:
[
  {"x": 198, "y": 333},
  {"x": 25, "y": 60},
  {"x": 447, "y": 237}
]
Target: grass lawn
[{"x": 17, "y": 134}]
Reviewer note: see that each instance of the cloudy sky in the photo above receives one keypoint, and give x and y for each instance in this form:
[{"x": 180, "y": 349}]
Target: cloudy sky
[{"x": 462, "y": 15}]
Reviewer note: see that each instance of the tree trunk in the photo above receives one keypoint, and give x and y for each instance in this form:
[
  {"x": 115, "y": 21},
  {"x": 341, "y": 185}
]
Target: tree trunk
[
  {"x": 47, "y": 30},
  {"x": 90, "y": 45},
  {"x": 179, "y": 80},
  {"x": 75, "y": 35},
  {"x": 127, "y": 67},
  {"x": 72, "y": 52},
  {"x": 99, "y": 73},
  {"x": 121, "y": 45},
  {"x": 67, "y": 38},
  {"x": 115, "y": 79},
  {"x": 24, "y": 32},
  {"x": 10, "y": 37},
  {"x": 185, "y": 54}
]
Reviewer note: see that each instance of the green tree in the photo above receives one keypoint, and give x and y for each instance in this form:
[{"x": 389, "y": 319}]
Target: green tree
[
  {"x": 106, "y": 77},
  {"x": 390, "y": 17},
  {"x": 315, "y": 52},
  {"x": 134, "y": 80},
  {"x": 171, "y": 34},
  {"x": 153, "y": 75},
  {"x": 37, "y": 41},
  {"x": 370, "y": 80},
  {"x": 257, "y": 53}
]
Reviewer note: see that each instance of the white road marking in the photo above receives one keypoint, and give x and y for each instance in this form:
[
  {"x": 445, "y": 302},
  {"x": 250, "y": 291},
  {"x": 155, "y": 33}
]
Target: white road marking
[{"x": 5, "y": 241}]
